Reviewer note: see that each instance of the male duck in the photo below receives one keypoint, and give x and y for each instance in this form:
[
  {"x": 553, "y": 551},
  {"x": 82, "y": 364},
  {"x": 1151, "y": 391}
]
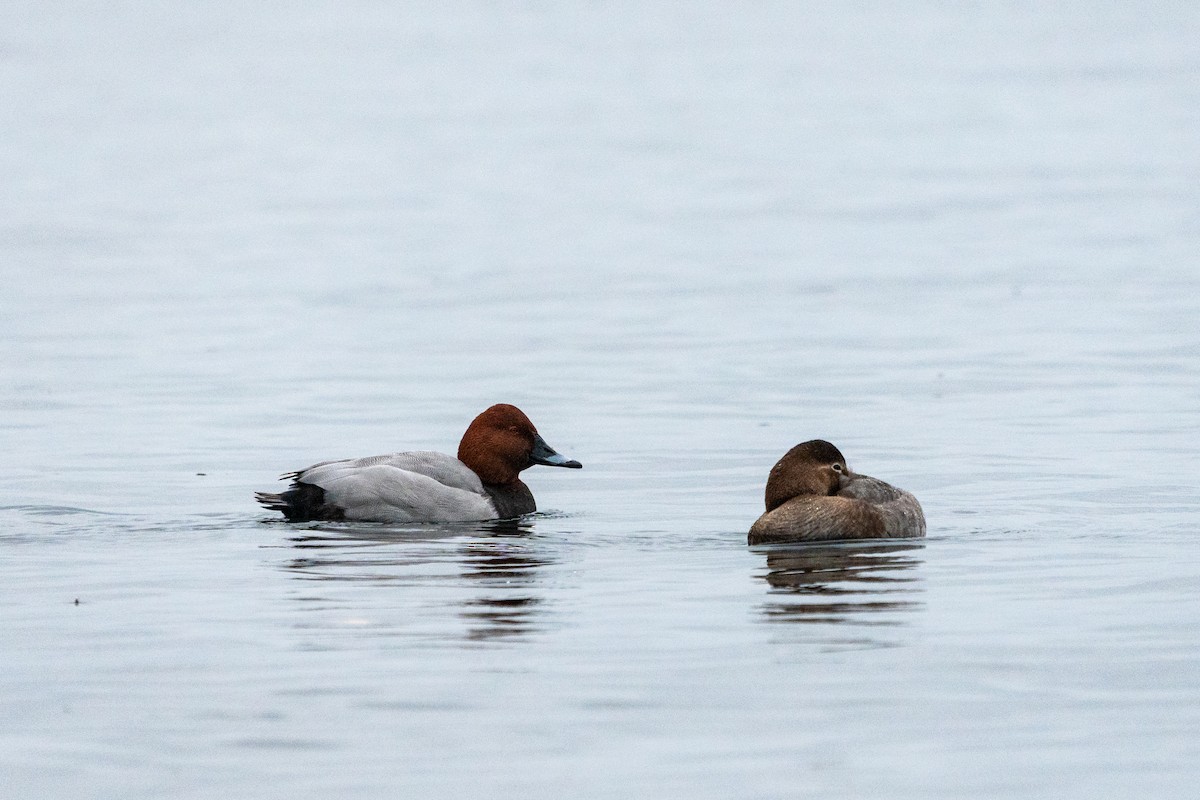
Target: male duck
[
  {"x": 813, "y": 496},
  {"x": 424, "y": 486}
]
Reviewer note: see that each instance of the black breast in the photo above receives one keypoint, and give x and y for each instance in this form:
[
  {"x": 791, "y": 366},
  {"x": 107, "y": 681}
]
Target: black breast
[{"x": 511, "y": 500}]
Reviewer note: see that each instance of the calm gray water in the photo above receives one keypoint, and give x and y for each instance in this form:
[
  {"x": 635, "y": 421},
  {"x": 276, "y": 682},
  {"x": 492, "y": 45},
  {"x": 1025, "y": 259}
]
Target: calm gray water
[{"x": 962, "y": 243}]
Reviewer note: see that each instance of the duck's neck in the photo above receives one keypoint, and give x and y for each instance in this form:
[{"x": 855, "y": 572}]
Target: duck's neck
[{"x": 511, "y": 499}]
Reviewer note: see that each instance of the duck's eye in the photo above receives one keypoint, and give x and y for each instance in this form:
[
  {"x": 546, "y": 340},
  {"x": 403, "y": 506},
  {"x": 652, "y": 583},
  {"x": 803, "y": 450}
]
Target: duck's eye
[{"x": 838, "y": 468}]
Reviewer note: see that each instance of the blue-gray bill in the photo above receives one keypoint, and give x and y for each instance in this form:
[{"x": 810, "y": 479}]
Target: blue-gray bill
[{"x": 547, "y": 455}]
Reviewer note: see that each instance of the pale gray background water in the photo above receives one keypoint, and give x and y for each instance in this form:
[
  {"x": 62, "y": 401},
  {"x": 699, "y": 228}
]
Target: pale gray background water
[{"x": 960, "y": 241}]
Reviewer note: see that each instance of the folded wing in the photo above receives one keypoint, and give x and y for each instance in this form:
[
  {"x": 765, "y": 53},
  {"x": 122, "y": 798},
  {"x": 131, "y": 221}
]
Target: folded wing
[{"x": 419, "y": 486}]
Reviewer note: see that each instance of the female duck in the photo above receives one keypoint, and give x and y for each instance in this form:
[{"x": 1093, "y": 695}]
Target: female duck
[
  {"x": 813, "y": 496},
  {"x": 482, "y": 483}
]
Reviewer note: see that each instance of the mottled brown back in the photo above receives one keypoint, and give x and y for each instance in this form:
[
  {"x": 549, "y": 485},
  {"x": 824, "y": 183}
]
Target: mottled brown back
[{"x": 813, "y": 519}]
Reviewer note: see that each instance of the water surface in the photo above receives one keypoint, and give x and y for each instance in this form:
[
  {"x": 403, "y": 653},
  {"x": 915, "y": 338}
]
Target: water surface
[{"x": 959, "y": 243}]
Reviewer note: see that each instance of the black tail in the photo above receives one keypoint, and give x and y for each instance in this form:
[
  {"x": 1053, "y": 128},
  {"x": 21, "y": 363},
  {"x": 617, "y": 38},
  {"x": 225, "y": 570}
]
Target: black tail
[{"x": 302, "y": 502}]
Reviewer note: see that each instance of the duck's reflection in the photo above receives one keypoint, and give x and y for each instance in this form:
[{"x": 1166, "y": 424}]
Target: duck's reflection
[
  {"x": 506, "y": 572},
  {"x": 854, "y": 583},
  {"x": 488, "y": 572}
]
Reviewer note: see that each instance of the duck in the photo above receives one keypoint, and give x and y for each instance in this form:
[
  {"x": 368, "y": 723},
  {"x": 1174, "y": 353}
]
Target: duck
[
  {"x": 482, "y": 483},
  {"x": 813, "y": 496}
]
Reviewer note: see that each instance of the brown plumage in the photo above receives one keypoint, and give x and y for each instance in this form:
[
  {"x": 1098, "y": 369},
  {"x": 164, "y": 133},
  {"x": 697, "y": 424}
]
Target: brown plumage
[{"x": 813, "y": 496}]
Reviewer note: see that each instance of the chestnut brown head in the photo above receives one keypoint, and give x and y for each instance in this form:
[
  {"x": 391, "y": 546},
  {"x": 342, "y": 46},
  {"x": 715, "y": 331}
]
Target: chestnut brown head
[{"x": 501, "y": 442}]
